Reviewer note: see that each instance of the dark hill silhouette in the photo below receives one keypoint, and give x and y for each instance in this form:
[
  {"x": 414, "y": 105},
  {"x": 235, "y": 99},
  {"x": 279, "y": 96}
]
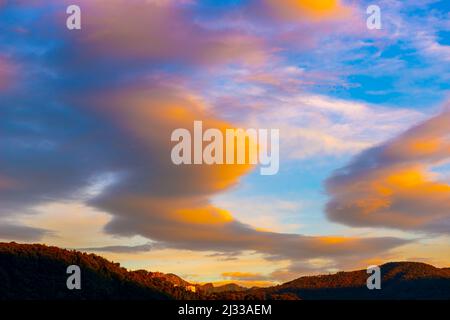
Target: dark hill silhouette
[
  {"x": 39, "y": 272},
  {"x": 229, "y": 287},
  {"x": 202, "y": 289},
  {"x": 400, "y": 280}
]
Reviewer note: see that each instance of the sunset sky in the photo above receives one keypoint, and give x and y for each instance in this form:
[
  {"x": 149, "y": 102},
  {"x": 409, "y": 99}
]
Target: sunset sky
[{"x": 364, "y": 119}]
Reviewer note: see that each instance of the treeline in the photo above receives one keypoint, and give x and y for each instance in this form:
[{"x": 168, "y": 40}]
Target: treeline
[
  {"x": 39, "y": 272},
  {"x": 399, "y": 281}
]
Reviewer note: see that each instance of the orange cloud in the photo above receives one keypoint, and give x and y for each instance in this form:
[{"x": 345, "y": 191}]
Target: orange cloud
[
  {"x": 171, "y": 204},
  {"x": 244, "y": 276},
  {"x": 392, "y": 185},
  {"x": 314, "y": 9},
  {"x": 246, "y": 283},
  {"x": 148, "y": 115},
  {"x": 175, "y": 196},
  {"x": 238, "y": 274},
  {"x": 206, "y": 215}
]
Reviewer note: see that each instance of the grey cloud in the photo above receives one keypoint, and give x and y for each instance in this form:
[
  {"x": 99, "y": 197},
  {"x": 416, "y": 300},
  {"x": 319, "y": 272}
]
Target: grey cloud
[
  {"x": 123, "y": 249},
  {"x": 17, "y": 232}
]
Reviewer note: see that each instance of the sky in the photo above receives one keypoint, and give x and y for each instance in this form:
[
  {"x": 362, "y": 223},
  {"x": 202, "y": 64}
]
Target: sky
[{"x": 363, "y": 114}]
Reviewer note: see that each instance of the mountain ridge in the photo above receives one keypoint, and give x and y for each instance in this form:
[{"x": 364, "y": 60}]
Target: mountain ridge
[{"x": 36, "y": 271}]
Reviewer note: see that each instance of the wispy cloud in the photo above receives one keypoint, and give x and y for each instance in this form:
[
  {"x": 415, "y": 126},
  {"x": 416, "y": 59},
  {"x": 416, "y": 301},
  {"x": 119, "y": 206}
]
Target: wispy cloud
[
  {"x": 121, "y": 249},
  {"x": 20, "y": 232}
]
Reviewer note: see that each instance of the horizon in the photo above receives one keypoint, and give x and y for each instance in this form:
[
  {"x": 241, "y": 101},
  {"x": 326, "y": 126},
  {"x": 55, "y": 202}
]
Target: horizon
[{"x": 242, "y": 284}]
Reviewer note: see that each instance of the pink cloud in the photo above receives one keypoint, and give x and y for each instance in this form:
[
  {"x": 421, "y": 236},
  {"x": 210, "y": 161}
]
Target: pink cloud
[
  {"x": 161, "y": 31},
  {"x": 7, "y": 73}
]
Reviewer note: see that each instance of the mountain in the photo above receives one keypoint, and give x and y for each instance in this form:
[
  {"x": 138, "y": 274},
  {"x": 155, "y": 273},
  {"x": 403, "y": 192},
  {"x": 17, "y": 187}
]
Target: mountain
[
  {"x": 34, "y": 271},
  {"x": 169, "y": 277},
  {"x": 39, "y": 272},
  {"x": 229, "y": 287},
  {"x": 400, "y": 280},
  {"x": 206, "y": 288}
]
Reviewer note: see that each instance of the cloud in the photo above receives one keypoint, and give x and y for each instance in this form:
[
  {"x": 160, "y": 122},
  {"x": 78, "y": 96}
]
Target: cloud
[
  {"x": 300, "y": 9},
  {"x": 392, "y": 185},
  {"x": 421, "y": 33},
  {"x": 225, "y": 256},
  {"x": 9, "y": 231},
  {"x": 111, "y": 118},
  {"x": 46, "y": 154},
  {"x": 306, "y": 267},
  {"x": 122, "y": 249},
  {"x": 150, "y": 197},
  {"x": 258, "y": 211},
  {"x": 313, "y": 126},
  {"x": 150, "y": 200},
  {"x": 244, "y": 276},
  {"x": 430, "y": 46},
  {"x": 159, "y": 31}
]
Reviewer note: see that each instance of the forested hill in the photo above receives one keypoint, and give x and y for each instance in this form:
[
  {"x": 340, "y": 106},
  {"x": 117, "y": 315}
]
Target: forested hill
[
  {"x": 35, "y": 271},
  {"x": 39, "y": 272},
  {"x": 399, "y": 281}
]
